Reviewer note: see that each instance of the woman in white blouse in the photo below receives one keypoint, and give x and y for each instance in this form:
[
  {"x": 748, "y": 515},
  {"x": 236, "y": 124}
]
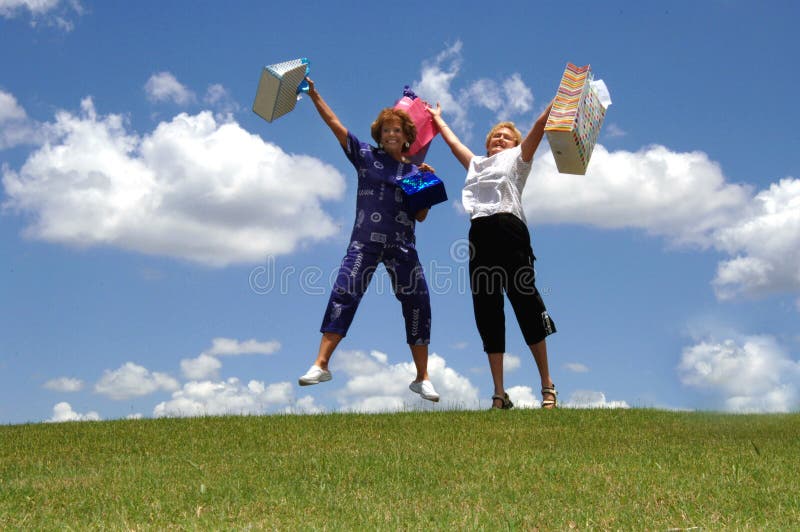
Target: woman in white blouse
[{"x": 501, "y": 257}]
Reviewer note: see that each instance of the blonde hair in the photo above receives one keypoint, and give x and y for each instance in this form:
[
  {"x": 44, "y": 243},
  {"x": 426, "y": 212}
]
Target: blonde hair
[
  {"x": 508, "y": 125},
  {"x": 409, "y": 129}
]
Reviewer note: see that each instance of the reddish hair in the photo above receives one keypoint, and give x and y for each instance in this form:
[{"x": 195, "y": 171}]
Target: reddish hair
[{"x": 409, "y": 129}]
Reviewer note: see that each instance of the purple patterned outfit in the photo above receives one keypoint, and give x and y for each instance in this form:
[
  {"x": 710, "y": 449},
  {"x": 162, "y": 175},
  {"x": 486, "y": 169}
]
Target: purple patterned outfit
[{"x": 383, "y": 232}]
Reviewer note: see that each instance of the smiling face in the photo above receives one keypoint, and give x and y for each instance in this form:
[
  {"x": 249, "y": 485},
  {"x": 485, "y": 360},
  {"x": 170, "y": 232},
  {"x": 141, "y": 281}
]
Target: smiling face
[
  {"x": 393, "y": 129},
  {"x": 502, "y": 139},
  {"x": 393, "y": 138},
  {"x": 503, "y": 136}
]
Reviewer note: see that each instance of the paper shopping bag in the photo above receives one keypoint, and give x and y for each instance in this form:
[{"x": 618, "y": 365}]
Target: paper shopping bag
[
  {"x": 279, "y": 87},
  {"x": 576, "y": 117},
  {"x": 426, "y": 130}
]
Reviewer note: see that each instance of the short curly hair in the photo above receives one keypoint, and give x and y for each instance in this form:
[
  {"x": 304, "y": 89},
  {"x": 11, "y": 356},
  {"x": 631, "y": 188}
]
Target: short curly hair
[
  {"x": 507, "y": 125},
  {"x": 409, "y": 129}
]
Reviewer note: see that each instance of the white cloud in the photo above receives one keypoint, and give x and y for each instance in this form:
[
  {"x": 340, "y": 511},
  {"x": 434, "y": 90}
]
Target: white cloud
[
  {"x": 484, "y": 93},
  {"x": 207, "y": 365},
  {"x": 218, "y": 97},
  {"x": 50, "y": 12},
  {"x": 612, "y": 130},
  {"x": 683, "y": 196},
  {"x": 64, "y": 384},
  {"x": 523, "y": 397},
  {"x": 230, "y": 397},
  {"x": 765, "y": 243},
  {"x": 436, "y": 78},
  {"x": 231, "y": 347},
  {"x": 202, "y": 367},
  {"x": 576, "y": 367},
  {"x": 192, "y": 189},
  {"x": 10, "y": 110},
  {"x": 16, "y": 128},
  {"x": 753, "y": 374},
  {"x": 63, "y": 412},
  {"x": 164, "y": 87},
  {"x": 132, "y": 380},
  {"x": 375, "y": 385},
  {"x": 591, "y": 399},
  {"x": 511, "y": 362},
  {"x": 507, "y": 99},
  {"x": 305, "y": 405}
]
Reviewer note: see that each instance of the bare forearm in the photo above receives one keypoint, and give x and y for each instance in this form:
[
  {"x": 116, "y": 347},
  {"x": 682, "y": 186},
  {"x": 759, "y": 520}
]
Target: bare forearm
[
  {"x": 328, "y": 116},
  {"x": 461, "y": 152},
  {"x": 531, "y": 141}
]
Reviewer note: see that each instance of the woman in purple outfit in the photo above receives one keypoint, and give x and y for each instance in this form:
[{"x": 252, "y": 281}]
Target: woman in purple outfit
[{"x": 383, "y": 232}]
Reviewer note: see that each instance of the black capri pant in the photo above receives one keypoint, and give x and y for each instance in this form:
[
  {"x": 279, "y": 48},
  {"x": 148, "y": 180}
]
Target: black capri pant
[{"x": 501, "y": 260}]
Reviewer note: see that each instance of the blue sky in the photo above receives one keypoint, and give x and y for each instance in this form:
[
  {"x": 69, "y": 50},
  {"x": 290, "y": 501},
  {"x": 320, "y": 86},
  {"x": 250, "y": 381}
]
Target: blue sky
[{"x": 167, "y": 252}]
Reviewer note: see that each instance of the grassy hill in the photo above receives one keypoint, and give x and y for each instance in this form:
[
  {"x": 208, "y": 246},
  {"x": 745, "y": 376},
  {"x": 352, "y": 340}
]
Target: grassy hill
[{"x": 521, "y": 469}]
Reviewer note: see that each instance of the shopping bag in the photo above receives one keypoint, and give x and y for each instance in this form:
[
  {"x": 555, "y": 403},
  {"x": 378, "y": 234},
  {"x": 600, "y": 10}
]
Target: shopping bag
[
  {"x": 426, "y": 129},
  {"x": 279, "y": 88},
  {"x": 576, "y": 118},
  {"x": 422, "y": 190}
]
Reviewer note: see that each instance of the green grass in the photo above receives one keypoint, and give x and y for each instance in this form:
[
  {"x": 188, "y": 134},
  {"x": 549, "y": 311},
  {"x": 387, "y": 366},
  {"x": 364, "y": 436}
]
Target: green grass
[{"x": 495, "y": 470}]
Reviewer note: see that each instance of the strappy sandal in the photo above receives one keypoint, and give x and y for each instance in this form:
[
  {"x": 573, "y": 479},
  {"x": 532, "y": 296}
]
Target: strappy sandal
[
  {"x": 550, "y": 403},
  {"x": 507, "y": 404}
]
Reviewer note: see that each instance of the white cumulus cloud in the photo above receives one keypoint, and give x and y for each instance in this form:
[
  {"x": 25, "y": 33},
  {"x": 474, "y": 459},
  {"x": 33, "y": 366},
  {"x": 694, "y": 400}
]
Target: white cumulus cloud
[
  {"x": 683, "y": 196},
  {"x": 56, "y": 13},
  {"x": 511, "y": 362},
  {"x": 765, "y": 243},
  {"x": 373, "y": 384},
  {"x": 201, "y": 367},
  {"x": 64, "y": 384},
  {"x": 576, "y": 367},
  {"x": 523, "y": 397},
  {"x": 232, "y": 347},
  {"x": 230, "y": 397},
  {"x": 207, "y": 365},
  {"x": 131, "y": 380},
  {"x": 220, "y": 99},
  {"x": 193, "y": 189},
  {"x": 750, "y": 374},
  {"x": 591, "y": 399},
  {"x": 164, "y": 87},
  {"x": 435, "y": 83},
  {"x": 16, "y": 128},
  {"x": 63, "y": 412},
  {"x": 506, "y": 99}
]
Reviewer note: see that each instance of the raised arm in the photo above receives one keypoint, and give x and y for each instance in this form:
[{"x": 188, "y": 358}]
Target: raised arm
[
  {"x": 328, "y": 116},
  {"x": 462, "y": 153},
  {"x": 534, "y": 136}
]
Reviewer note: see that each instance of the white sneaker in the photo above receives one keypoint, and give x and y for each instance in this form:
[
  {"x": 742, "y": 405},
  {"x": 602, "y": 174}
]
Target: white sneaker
[
  {"x": 425, "y": 389},
  {"x": 315, "y": 375}
]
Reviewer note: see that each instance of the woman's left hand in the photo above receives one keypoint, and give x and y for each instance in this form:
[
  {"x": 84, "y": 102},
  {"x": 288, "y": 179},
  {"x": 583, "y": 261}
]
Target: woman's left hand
[{"x": 425, "y": 167}]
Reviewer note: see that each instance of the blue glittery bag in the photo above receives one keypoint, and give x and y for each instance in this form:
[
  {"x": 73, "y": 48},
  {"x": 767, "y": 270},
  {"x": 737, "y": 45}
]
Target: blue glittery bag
[{"x": 423, "y": 190}]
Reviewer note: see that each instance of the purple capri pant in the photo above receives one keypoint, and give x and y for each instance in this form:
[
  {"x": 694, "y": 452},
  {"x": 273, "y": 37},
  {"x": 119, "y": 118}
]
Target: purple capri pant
[{"x": 408, "y": 284}]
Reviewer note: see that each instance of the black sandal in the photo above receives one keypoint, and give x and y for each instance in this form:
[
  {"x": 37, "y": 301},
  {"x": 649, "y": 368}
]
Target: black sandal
[
  {"x": 550, "y": 403},
  {"x": 507, "y": 404}
]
